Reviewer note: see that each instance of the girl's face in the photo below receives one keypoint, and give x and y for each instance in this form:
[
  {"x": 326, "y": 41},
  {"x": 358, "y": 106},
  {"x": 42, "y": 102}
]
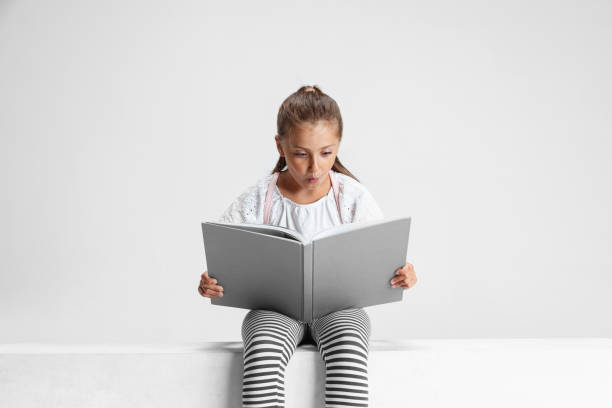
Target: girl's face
[{"x": 310, "y": 152}]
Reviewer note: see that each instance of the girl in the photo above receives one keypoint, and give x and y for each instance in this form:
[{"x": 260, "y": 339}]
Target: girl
[{"x": 309, "y": 190}]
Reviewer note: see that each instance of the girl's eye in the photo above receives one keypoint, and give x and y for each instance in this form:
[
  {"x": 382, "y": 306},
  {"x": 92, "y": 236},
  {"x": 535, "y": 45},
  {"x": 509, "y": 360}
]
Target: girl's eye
[{"x": 304, "y": 154}]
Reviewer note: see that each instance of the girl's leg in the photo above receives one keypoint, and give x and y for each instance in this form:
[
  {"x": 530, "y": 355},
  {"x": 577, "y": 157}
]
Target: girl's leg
[
  {"x": 270, "y": 339},
  {"x": 342, "y": 339}
]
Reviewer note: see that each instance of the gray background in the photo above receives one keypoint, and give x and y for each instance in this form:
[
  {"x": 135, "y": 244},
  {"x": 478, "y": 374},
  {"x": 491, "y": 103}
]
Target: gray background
[{"x": 124, "y": 124}]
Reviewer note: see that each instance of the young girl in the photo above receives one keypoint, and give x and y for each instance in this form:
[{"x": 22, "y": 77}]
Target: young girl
[{"x": 309, "y": 190}]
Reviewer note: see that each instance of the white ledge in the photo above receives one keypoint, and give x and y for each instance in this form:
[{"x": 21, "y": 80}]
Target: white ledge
[
  {"x": 468, "y": 344},
  {"x": 425, "y": 373}
]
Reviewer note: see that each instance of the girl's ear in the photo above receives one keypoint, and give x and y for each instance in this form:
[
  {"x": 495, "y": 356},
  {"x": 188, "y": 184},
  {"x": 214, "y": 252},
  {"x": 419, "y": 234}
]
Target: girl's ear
[{"x": 278, "y": 146}]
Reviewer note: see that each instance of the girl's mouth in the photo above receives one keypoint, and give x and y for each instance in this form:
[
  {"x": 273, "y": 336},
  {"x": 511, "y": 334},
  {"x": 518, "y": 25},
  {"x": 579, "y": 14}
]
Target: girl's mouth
[{"x": 312, "y": 180}]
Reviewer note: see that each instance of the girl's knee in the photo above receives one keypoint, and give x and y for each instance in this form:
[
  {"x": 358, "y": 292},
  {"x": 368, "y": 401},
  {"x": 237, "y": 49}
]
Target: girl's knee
[
  {"x": 362, "y": 317},
  {"x": 348, "y": 322},
  {"x": 259, "y": 320},
  {"x": 257, "y": 317},
  {"x": 359, "y": 318}
]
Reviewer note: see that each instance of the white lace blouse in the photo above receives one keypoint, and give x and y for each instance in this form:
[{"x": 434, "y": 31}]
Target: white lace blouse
[{"x": 356, "y": 204}]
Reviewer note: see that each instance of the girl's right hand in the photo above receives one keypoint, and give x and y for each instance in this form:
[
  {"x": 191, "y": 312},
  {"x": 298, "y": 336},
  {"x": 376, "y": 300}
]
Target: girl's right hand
[{"x": 208, "y": 287}]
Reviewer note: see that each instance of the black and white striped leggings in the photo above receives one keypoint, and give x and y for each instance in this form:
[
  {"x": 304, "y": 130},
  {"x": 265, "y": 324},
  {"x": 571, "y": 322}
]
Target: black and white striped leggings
[{"x": 270, "y": 338}]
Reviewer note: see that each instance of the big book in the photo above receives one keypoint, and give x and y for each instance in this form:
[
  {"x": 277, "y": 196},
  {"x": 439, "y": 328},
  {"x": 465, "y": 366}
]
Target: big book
[{"x": 275, "y": 268}]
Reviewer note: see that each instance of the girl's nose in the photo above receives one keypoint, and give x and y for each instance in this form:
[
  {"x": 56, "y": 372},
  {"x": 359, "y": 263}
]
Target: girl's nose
[{"x": 314, "y": 167}]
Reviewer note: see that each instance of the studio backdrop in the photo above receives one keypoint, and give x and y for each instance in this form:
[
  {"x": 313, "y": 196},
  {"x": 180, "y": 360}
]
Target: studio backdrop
[{"x": 125, "y": 124}]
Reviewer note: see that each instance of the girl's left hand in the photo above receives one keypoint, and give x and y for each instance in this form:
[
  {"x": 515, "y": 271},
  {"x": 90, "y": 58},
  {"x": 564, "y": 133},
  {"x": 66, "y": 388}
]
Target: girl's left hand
[{"x": 405, "y": 277}]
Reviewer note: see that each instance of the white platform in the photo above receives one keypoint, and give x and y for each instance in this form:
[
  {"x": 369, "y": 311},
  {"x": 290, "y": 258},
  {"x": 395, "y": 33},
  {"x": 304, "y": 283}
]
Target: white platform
[{"x": 418, "y": 373}]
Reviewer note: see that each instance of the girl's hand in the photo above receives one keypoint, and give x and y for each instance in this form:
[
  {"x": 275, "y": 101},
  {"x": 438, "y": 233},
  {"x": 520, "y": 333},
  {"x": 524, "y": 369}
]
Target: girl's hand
[
  {"x": 405, "y": 277},
  {"x": 208, "y": 287}
]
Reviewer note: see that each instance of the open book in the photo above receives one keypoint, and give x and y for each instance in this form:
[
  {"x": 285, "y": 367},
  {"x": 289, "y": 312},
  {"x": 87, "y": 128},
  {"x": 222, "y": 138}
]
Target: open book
[{"x": 275, "y": 268}]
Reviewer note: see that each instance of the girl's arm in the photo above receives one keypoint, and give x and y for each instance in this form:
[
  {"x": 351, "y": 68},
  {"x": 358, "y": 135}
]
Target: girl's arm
[{"x": 366, "y": 208}]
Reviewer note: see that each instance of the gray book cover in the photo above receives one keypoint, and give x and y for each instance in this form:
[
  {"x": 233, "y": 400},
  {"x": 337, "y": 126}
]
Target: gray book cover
[{"x": 275, "y": 268}]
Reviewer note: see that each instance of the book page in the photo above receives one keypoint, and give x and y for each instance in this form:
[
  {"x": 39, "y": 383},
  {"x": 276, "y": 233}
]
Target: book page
[
  {"x": 349, "y": 227},
  {"x": 273, "y": 230}
]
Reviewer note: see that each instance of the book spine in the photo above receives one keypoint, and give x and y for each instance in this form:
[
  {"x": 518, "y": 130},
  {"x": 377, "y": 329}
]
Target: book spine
[{"x": 307, "y": 268}]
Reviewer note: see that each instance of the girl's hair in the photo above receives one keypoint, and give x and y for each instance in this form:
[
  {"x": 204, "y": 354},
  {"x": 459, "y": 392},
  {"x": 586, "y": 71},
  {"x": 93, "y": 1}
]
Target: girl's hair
[{"x": 308, "y": 105}]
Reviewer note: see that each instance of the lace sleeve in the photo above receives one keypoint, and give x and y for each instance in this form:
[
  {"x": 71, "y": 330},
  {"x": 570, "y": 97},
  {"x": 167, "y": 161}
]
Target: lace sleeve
[
  {"x": 367, "y": 209},
  {"x": 244, "y": 209},
  {"x": 231, "y": 214}
]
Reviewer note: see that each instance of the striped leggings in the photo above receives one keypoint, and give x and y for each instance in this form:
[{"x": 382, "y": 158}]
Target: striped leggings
[{"x": 270, "y": 338}]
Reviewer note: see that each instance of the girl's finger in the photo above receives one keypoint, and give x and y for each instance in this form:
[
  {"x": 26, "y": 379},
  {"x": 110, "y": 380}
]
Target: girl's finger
[
  {"x": 408, "y": 284},
  {"x": 207, "y": 281},
  {"x": 206, "y": 292},
  {"x": 213, "y": 293},
  {"x": 216, "y": 288},
  {"x": 398, "y": 280}
]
